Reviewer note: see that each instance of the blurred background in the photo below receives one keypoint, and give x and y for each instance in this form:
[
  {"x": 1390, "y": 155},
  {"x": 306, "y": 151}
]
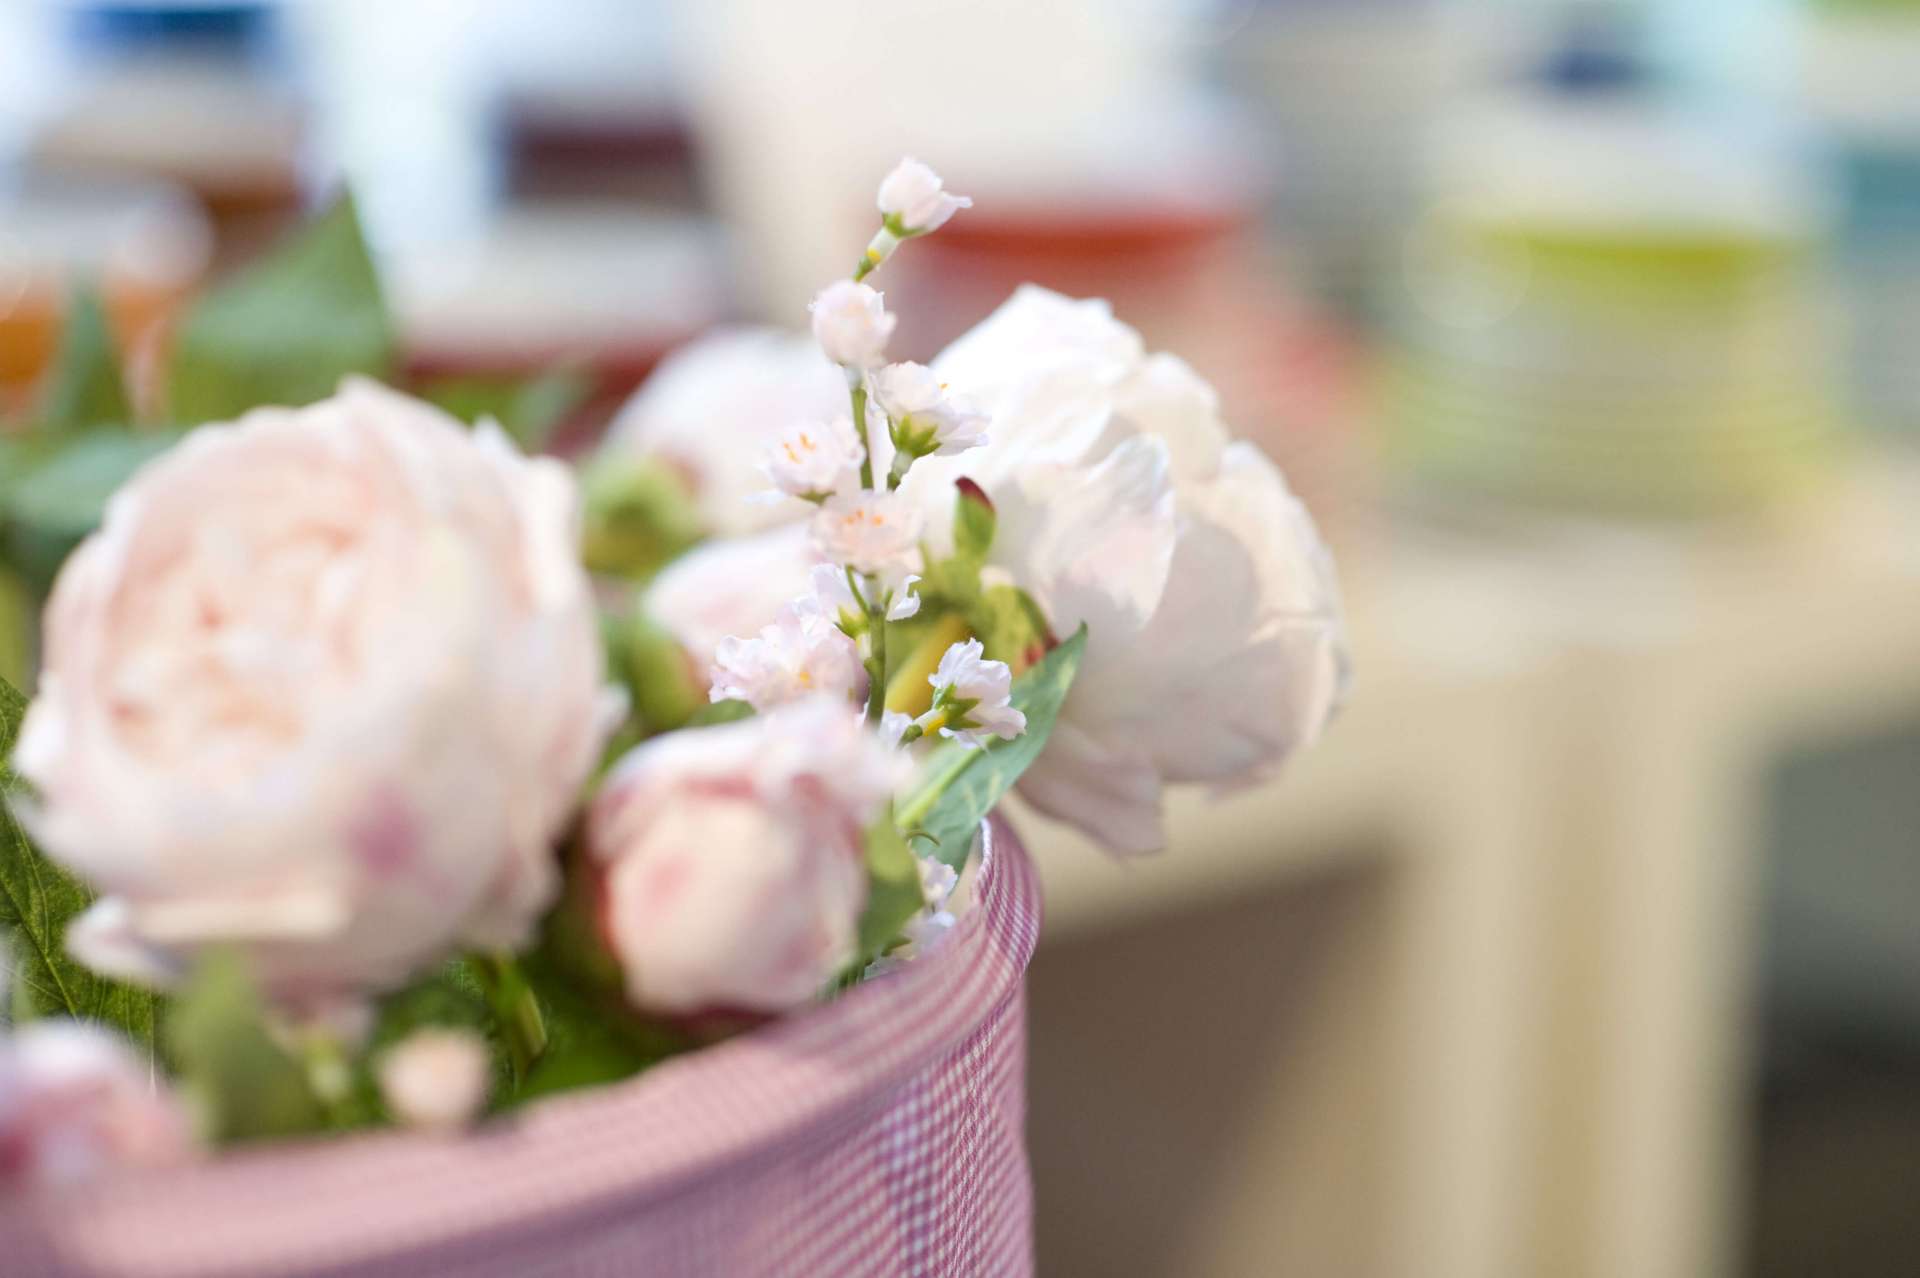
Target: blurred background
[{"x": 1588, "y": 329}]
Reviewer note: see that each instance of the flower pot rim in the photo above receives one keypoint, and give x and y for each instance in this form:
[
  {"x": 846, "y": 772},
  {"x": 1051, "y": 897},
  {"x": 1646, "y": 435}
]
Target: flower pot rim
[{"x": 562, "y": 1163}]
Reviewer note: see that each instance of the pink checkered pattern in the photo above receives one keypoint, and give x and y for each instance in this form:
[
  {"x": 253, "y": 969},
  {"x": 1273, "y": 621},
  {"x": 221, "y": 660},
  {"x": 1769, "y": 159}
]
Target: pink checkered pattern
[{"x": 879, "y": 1135}]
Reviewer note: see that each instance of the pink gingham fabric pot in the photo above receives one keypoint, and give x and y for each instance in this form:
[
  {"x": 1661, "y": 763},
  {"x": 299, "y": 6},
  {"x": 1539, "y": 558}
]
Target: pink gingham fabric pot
[{"x": 881, "y": 1134}]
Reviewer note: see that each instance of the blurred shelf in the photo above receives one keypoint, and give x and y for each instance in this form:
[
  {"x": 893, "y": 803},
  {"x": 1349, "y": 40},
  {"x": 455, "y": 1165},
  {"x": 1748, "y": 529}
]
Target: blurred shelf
[{"x": 1556, "y": 744}]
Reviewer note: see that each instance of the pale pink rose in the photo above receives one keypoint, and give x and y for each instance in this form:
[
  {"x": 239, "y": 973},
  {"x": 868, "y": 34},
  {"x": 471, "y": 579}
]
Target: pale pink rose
[
  {"x": 734, "y": 861},
  {"x": 715, "y": 406},
  {"x": 74, "y": 1102},
  {"x": 324, "y": 686},
  {"x": 733, "y": 586}
]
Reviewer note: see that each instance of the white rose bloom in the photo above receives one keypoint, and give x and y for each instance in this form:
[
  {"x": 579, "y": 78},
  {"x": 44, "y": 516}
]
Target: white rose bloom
[
  {"x": 715, "y": 406},
  {"x": 815, "y": 459},
  {"x": 802, "y": 653},
  {"x": 75, "y": 1102},
  {"x": 914, "y": 195},
  {"x": 1216, "y": 643},
  {"x": 735, "y": 867},
  {"x": 925, "y": 418},
  {"x": 731, "y": 586},
  {"x": 324, "y": 686},
  {"x": 851, "y": 323}
]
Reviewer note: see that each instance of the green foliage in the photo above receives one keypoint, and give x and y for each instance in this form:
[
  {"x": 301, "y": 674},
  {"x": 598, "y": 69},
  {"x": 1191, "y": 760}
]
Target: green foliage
[
  {"x": 16, "y": 628},
  {"x": 893, "y": 890},
  {"x": 639, "y": 515},
  {"x": 959, "y": 787},
  {"x": 527, "y": 408},
  {"x": 37, "y": 899},
  {"x": 60, "y": 500},
  {"x": 715, "y": 713},
  {"x": 658, "y": 678},
  {"x": 592, "y": 1037},
  {"x": 84, "y": 389},
  {"x": 448, "y": 998},
  {"x": 1009, "y": 625},
  {"x": 243, "y": 1084},
  {"x": 287, "y": 329}
]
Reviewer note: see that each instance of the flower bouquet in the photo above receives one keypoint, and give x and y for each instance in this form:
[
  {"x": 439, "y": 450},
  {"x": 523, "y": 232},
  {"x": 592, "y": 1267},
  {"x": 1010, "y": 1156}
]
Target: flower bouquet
[{"x": 424, "y": 860}]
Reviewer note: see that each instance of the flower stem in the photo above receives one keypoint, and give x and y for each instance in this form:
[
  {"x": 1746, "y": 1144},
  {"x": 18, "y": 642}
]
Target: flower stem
[
  {"x": 860, "y": 427},
  {"x": 877, "y": 675},
  {"x": 514, "y": 1008}
]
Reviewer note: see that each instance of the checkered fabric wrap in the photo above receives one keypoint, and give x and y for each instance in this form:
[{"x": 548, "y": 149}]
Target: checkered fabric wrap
[{"x": 881, "y": 1134}]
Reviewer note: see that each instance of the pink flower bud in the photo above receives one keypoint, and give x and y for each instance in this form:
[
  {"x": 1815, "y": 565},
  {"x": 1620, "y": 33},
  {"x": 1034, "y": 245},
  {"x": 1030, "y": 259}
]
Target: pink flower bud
[{"x": 734, "y": 858}]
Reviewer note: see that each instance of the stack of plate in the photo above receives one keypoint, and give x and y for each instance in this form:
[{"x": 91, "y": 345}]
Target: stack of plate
[{"x": 1608, "y": 309}]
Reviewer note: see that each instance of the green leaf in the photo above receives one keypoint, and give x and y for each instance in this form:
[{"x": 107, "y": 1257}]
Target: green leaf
[
  {"x": 243, "y": 1084},
  {"x": 288, "y": 329},
  {"x": 959, "y": 787},
  {"x": 60, "y": 500},
  {"x": 84, "y": 387},
  {"x": 893, "y": 890},
  {"x": 527, "y": 408},
  {"x": 715, "y": 713},
  {"x": 37, "y": 898}
]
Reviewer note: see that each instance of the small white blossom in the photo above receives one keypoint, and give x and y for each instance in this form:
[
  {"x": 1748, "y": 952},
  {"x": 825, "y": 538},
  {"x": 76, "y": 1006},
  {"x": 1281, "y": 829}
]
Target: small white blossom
[
  {"x": 894, "y": 725},
  {"x": 925, "y": 930},
  {"x": 972, "y": 697},
  {"x": 803, "y": 652},
  {"x": 813, "y": 459},
  {"x": 851, "y": 323},
  {"x": 926, "y": 419},
  {"x": 435, "y": 1079},
  {"x": 914, "y": 200},
  {"x": 905, "y": 602},
  {"x": 930, "y": 926},
  {"x": 875, "y": 534},
  {"x": 835, "y": 597}
]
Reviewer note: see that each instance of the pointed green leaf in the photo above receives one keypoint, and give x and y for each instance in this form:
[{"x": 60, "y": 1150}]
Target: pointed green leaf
[
  {"x": 84, "y": 387},
  {"x": 288, "y": 329},
  {"x": 37, "y": 898},
  {"x": 959, "y": 787}
]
